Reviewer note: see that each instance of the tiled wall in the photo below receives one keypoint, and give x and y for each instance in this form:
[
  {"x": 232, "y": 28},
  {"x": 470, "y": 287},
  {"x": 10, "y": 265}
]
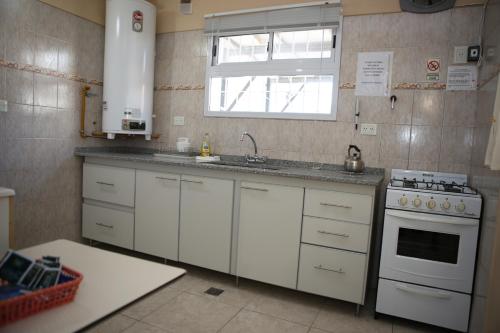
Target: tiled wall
[
  {"x": 38, "y": 44},
  {"x": 429, "y": 129}
]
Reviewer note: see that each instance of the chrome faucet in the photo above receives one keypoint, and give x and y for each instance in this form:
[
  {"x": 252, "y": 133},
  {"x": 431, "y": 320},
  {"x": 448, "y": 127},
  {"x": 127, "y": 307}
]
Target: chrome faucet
[{"x": 255, "y": 158}]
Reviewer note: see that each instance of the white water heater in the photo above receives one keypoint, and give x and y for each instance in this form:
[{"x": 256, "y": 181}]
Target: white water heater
[{"x": 129, "y": 68}]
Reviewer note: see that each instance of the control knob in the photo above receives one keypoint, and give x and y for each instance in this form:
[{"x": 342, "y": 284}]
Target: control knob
[
  {"x": 446, "y": 205},
  {"x": 431, "y": 204},
  {"x": 417, "y": 202},
  {"x": 460, "y": 207},
  {"x": 403, "y": 201}
]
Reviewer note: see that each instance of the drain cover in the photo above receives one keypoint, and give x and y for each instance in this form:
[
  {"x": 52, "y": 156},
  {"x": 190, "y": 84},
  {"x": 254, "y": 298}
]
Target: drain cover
[{"x": 214, "y": 291}]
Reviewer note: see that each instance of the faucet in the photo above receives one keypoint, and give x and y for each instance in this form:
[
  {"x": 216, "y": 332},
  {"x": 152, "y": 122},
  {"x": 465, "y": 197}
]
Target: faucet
[{"x": 255, "y": 158}]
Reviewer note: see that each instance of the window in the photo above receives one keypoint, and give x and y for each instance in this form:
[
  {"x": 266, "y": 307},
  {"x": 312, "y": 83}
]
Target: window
[{"x": 288, "y": 71}]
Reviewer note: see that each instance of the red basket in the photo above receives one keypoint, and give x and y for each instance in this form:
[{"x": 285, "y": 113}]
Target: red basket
[{"x": 23, "y": 306}]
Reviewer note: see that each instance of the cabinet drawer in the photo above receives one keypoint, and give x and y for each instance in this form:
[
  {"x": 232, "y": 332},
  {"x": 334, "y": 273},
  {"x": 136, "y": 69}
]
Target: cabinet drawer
[
  {"x": 332, "y": 273},
  {"x": 428, "y": 305},
  {"x": 338, "y": 205},
  {"x": 108, "y": 225},
  {"x": 109, "y": 184},
  {"x": 338, "y": 234}
]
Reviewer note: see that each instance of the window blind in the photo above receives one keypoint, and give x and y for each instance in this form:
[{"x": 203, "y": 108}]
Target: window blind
[{"x": 325, "y": 15}]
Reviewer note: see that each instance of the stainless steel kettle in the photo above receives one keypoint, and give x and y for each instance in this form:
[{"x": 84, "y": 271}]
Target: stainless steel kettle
[{"x": 353, "y": 161}]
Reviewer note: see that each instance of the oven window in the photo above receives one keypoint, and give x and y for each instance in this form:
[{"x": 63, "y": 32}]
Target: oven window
[{"x": 428, "y": 245}]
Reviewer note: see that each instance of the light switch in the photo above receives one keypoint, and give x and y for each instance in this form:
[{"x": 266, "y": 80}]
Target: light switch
[
  {"x": 460, "y": 54},
  {"x": 368, "y": 129},
  {"x": 3, "y": 105},
  {"x": 178, "y": 121}
]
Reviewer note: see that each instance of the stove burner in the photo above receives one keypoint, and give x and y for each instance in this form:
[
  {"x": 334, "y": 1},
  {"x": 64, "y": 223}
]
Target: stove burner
[{"x": 433, "y": 186}]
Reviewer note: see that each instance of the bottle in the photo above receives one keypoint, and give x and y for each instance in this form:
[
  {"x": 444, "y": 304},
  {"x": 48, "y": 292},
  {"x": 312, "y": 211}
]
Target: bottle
[{"x": 206, "y": 148}]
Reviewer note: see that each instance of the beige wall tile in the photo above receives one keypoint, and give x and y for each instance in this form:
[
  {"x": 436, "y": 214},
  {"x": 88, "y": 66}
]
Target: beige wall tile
[
  {"x": 456, "y": 145},
  {"x": 425, "y": 143},
  {"x": 395, "y": 142},
  {"x": 459, "y": 108},
  {"x": 428, "y": 108}
]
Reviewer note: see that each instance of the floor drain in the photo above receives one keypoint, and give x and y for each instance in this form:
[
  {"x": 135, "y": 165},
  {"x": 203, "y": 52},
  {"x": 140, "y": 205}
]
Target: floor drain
[{"x": 214, "y": 291}]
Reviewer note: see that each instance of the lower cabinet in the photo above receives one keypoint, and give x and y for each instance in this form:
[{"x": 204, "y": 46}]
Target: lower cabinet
[
  {"x": 269, "y": 233},
  {"x": 107, "y": 225},
  {"x": 157, "y": 214},
  {"x": 333, "y": 273},
  {"x": 205, "y": 222}
]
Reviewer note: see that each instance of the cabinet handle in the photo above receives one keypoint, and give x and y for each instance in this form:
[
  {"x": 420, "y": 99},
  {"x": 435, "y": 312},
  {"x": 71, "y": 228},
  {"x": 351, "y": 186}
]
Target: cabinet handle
[
  {"x": 340, "y": 270},
  {"x": 192, "y": 181},
  {"x": 255, "y": 188},
  {"x": 438, "y": 294},
  {"x": 334, "y": 205},
  {"x": 165, "y": 178},
  {"x": 107, "y": 184},
  {"x": 104, "y": 225},
  {"x": 332, "y": 233}
]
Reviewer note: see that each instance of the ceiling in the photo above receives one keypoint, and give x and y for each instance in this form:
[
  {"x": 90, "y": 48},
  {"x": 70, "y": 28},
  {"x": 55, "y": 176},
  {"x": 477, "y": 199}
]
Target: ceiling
[{"x": 170, "y": 19}]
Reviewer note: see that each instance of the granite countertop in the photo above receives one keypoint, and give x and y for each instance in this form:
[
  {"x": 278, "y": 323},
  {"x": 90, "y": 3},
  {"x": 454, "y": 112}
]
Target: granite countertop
[{"x": 283, "y": 168}]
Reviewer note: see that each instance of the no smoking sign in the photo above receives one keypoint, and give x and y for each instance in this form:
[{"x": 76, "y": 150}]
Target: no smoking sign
[{"x": 433, "y": 66}]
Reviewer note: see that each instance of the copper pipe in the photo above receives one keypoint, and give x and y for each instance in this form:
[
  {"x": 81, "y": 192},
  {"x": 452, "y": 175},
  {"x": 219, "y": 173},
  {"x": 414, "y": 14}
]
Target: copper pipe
[{"x": 83, "y": 94}]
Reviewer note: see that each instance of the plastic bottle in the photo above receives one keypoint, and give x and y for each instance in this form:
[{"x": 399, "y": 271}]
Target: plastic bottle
[{"x": 206, "y": 148}]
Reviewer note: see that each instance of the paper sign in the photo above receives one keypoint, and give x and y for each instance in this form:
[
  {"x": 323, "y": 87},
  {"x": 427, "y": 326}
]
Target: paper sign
[
  {"x": 373, "y": 75},
  {"x": 462, "y": 78}
]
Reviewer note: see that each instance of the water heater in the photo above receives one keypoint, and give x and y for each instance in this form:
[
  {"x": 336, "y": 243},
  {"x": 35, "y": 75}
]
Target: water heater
[{"x": 129, "y": 68}]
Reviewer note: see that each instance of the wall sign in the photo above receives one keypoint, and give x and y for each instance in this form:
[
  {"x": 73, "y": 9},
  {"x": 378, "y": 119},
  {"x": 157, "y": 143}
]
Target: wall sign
[
  {"x": 433, "y": 68},
  {"x": 462, "y": 78},
  {"x": 373, "y": 75}
]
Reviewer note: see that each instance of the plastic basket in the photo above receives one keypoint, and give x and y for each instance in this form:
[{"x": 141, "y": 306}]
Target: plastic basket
[{"x": 29, "y": 304}]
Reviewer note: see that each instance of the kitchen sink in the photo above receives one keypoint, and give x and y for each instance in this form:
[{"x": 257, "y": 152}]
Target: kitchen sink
[{"x": 247, "y": 165}]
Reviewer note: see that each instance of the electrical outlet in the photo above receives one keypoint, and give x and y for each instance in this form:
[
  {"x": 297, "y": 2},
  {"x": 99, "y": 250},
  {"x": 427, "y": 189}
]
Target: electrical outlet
[
  {"x": 178, "y": 121},
  {"x": 3, "y": 105},
  {"x": 368, "y": 129},
  {"x": 460, "y": 54}
]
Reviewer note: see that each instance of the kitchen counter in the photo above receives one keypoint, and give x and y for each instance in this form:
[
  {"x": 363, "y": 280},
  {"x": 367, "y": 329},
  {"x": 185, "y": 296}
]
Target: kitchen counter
[{"x": 284, "y": 168}]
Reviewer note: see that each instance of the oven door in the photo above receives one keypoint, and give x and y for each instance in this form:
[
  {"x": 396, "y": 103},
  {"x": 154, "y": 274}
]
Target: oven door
[{"x": 427, "y": 249}]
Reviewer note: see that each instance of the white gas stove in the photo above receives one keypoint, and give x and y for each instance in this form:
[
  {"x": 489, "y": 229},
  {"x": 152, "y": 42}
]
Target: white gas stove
[{"x": 431, "y": 227}]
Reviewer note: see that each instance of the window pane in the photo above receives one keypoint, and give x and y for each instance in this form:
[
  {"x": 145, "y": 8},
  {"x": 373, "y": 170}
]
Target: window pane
[
  {"x": 302, "y": 44},
  {"x": 243, "y": 48},
  {"x": 238, "y": 94},
  {"x": 276, "y": 94}
]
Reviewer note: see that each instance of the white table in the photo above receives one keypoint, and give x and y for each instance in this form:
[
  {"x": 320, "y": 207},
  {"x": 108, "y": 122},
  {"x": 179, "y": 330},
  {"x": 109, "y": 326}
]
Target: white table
[{"x": 110, "y": 281}]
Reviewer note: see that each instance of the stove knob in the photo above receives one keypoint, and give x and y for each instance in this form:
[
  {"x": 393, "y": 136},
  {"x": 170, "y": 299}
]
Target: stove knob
[
  {"x": 417, "y": 202},
  {"x": 403, "y": 201},
  {"x": 460, "y": 207},
  {"x": 446, "y": 205},
  {"x": 431, "y": 204}
]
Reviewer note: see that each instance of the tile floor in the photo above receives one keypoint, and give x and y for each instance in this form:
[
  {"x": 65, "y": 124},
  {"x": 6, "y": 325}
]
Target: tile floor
[{"x": 183, "y": 306}]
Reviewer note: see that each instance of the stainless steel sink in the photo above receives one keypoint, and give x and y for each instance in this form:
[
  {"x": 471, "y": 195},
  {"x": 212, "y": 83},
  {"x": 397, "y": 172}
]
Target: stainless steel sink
[{"x": 247, "y": 165}]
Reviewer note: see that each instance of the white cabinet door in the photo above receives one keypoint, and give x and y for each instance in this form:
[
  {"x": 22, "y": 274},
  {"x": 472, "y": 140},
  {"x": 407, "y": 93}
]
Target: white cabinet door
[
  {"x": 205, "y": 222},
  {"x": 157, "y": 214},
  {"x": 269, "y": 233}
]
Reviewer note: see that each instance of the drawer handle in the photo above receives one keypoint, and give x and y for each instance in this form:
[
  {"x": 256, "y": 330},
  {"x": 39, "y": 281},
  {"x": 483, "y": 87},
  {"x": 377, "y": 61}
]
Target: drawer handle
[
  {"x": 436, "y": 294},
  {"x": 166, "y": 178},
  {"x": 339, "y": 271},
  {"x": 104, "y": 225},
  {"x": 334, "y": 205},
  {"x": 255, "y": 188},
  {"x": 332, "y": 233},
  {"x": 107, "y": 184},
  {"x": 192, "y": 181}
]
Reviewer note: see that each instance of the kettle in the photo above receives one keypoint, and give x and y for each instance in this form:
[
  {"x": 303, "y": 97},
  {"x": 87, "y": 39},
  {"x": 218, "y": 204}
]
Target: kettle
[{"x": 353, "y": 161}]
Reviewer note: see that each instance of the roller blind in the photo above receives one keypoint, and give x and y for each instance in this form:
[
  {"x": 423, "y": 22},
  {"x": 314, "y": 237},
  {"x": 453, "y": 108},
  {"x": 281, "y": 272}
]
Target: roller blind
[{"x": 274, "y": 19}]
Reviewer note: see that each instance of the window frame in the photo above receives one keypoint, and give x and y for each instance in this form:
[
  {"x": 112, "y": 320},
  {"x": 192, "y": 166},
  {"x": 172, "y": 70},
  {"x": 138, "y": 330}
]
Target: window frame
[{"x": 285, "y": 67}]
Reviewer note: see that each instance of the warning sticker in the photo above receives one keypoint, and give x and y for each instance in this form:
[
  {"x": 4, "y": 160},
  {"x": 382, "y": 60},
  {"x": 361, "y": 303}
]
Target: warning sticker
[
  {"x": 433, "y": 66},
  {"x": 137, "y": 18}
]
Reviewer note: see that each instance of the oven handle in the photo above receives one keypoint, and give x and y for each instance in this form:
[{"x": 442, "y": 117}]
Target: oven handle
[
  {"x": 435, "y": 294},
  {"x": 429, "y": 218}
]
